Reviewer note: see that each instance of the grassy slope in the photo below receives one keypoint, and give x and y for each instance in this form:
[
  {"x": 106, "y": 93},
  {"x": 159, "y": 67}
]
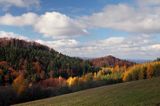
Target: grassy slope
[{"x": 136, "y": 93}]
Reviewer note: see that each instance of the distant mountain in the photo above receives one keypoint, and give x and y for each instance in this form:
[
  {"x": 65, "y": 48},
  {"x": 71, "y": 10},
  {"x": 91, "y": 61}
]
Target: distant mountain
[{"x": 110, "y": 61}]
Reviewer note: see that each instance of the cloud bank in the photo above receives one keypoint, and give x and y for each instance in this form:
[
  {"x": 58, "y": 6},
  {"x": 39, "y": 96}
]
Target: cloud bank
[
  {"x": 137, "y": 46},
  {"x": 140, "y": 19}
]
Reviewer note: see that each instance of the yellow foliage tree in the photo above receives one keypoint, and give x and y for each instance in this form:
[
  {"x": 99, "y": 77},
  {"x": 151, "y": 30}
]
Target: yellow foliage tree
[
  {"x": 150, "y": 71},
  {"x": 71, "y": 81},
  {"x": 127, "y": 76},
  {"x": 95, "y": 77},
  {"x": 142, "y": 71}
]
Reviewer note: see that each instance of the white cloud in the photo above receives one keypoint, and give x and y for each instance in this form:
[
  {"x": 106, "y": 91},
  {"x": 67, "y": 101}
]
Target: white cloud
[
  {"x": 19, "y": 3},
  {"x": 23, "y": 20},
  {"x": 138, "y": 46},
  {"x": 112, "y": 41},
  {"x": 65, "y": 46},
  {"x": 55, "y": 24},
  {"x": 128, "y": 18},
  {"x": 156, "y": 46},
  {"x": 59, "y": 44},
  {"x": 4, "y": 34},
  {"x": 50, "y": 24},
  {"x": 148, "y": 2}
]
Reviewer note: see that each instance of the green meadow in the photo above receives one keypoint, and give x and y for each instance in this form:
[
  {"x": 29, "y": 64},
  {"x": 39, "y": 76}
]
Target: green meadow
[{"x": 134, "y": 93}]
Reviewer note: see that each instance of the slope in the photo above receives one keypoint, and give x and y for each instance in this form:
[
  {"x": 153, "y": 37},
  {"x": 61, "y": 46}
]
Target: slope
[{"x": 135, "y": 93}]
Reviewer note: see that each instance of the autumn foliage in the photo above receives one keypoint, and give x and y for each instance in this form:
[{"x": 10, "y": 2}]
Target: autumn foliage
[
  {"x": 19, "y": 84},
  {"x": 142, "y": 71},
  {"x": 31, "y": 71},
  {"x": 53, "y": 82}
]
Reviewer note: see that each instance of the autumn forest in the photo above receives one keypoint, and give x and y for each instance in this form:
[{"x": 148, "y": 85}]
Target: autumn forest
[{"x": 31, "y": 71}]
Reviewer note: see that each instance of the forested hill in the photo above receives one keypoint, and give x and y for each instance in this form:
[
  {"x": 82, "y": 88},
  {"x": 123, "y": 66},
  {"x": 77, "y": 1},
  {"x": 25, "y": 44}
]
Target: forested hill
[
  {"x": 29, "y": 69},
  {"x": 110, "y": 61},
  {"x": 38, "y": 62},
  {"x": 33, "y": 59}
]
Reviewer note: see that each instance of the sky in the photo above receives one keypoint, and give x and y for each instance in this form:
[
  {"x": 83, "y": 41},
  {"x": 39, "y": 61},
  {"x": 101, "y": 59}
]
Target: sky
[{"x": 127, "y": 29}]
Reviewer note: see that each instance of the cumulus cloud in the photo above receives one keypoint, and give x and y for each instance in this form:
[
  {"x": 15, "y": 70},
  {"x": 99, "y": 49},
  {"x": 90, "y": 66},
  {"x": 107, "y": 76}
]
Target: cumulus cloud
[
  {"x": 19, "y": 3},
  {"x": 126, "y": 18},
  {"x": 50, "y": 24},
  {"x": 59, "y": 25},
  {"x": 23, "y": 20}
]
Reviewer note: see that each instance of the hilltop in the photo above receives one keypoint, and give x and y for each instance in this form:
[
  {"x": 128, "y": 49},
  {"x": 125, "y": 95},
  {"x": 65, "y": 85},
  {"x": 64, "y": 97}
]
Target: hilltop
[{"x": 110, "y": 61}]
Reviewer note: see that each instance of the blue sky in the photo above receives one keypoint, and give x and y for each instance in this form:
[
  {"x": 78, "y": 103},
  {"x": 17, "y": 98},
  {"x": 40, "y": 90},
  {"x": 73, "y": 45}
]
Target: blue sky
[
  {"x": 69, "y": 7},
  {"x": 127, "y": 29}
]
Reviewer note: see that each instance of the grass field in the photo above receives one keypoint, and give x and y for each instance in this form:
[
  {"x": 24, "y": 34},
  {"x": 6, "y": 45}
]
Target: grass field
[{"x": 136, "y": 93}]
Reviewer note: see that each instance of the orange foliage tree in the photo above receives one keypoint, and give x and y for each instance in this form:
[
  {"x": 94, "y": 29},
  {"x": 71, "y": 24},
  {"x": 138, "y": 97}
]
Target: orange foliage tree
[
  {"x": 149, "y": 71},
  {"x": 19, "y": 84}
]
